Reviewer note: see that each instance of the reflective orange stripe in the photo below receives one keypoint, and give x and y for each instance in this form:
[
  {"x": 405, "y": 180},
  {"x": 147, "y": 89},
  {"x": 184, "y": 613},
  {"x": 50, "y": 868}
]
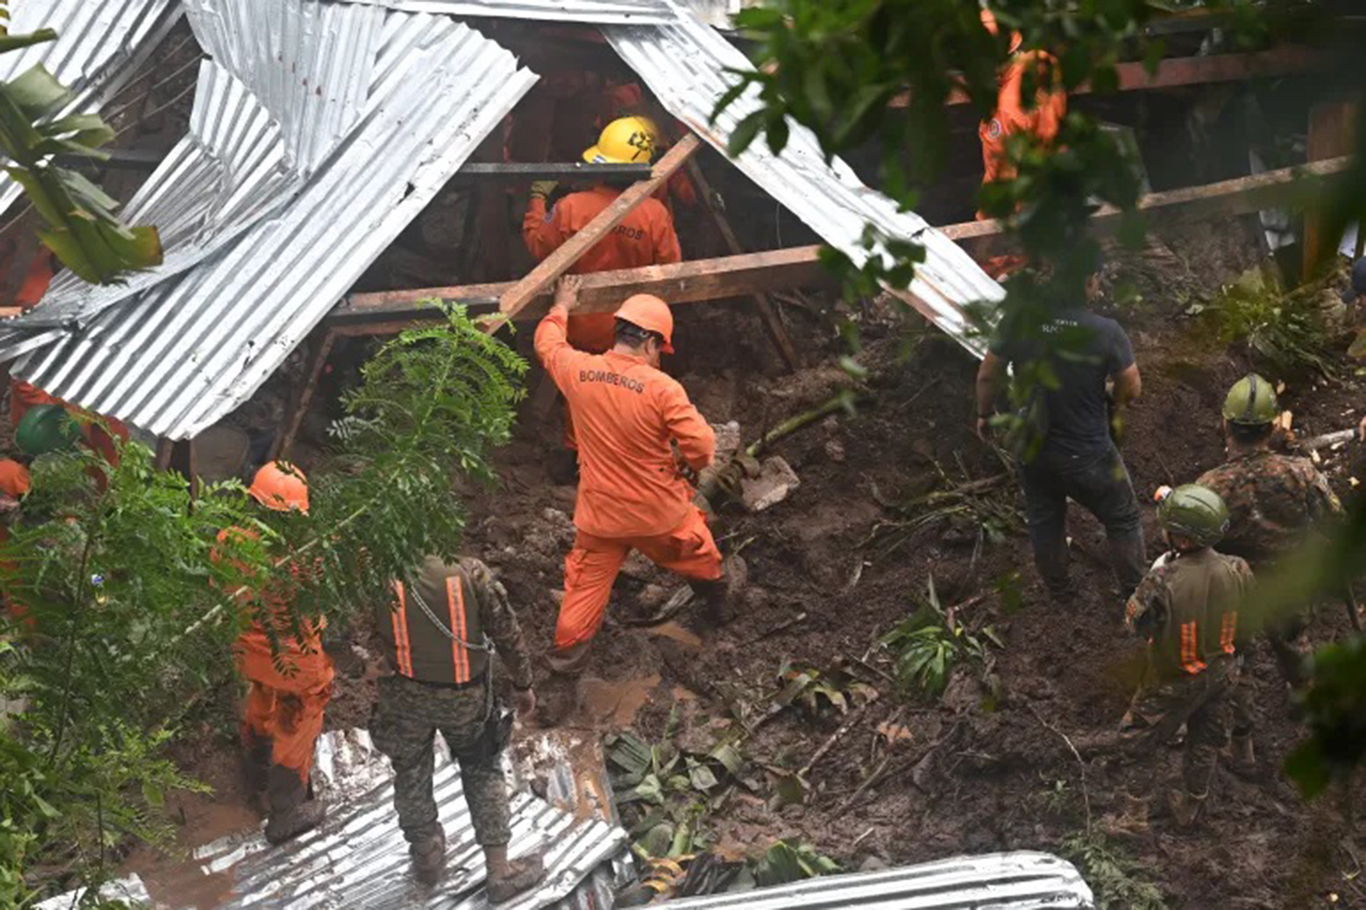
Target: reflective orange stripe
[
  {"x": 455, "y": 603},
  {"x": 1190, "y": 652},
  {"x": 1227, "y": 630},
  {"x": 402, "y": 646}
]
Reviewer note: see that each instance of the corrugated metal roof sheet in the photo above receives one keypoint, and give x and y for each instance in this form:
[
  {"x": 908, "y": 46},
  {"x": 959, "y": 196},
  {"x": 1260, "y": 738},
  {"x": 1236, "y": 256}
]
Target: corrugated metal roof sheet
[
  {"x": 602, "y": 12},
  {"x": 359, "y": 859},
  {"x": 98, "y": 46},
  {"x": 179, "y": 355},
  {"x": 998, "y": 881},
  {"x": 685, "y": 65}
]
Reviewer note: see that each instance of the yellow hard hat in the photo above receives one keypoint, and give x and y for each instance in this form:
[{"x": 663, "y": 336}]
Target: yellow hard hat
[{"x": 626, "y": 140}]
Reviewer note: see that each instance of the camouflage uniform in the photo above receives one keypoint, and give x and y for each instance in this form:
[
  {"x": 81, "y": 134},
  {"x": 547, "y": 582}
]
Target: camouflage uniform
[
  {"x": 1275, "y": 502},
  {"x": 1187, "y": 607},
  {"x": 440, "y": 683}
]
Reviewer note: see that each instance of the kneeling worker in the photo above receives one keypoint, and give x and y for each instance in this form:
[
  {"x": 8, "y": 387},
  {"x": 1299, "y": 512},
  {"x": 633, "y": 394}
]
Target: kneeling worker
[
  {"x": 439, "y": 637},
  {"x": 1187, "y": 608},
  {"x": 632, "y": 493}
]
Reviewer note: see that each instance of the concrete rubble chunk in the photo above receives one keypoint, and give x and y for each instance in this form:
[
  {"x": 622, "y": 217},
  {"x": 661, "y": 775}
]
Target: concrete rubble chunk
[{"x": 775, "y": 481}]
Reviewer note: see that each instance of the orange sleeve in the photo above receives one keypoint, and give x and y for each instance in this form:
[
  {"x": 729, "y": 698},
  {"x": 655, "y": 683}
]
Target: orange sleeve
[
  {"x": 14, "y": 478},
  {"x": 541, "y": 230},
  {"x": 1049, "y": 115},
  {"x": 664, "y": 238},
  {"x": 552, "y": 343},
  {"x": 695, "y": 437}
]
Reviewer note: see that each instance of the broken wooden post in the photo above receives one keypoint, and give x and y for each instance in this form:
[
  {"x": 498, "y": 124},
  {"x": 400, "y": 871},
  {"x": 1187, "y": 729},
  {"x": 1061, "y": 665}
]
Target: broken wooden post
[
  {"x": 774, "y": 326},
  {"x": 284, "y": 444},
  {"x": 1330, "y": 136},
  {"x": 557, "y": 263}
]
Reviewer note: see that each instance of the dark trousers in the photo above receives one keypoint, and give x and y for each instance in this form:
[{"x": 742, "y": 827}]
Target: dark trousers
[
  {"x": 407, "y": 716},
  {"x": 1101, "y": 485}
]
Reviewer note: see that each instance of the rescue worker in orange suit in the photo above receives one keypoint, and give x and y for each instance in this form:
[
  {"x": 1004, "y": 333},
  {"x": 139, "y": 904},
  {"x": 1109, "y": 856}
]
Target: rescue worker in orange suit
[
  {"x": 633, "y": 493},
  {"x": 645, "y": 237},
  {"x": 284, "y": 710},
  {"x": 1012, "y": 116}
]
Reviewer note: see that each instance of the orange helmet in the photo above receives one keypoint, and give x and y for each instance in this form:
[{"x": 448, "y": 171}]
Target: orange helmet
[
  {"x": 280, "y": 486},
  {"x": 989, "y": 21},
  {"x": 651, "y": 314}
]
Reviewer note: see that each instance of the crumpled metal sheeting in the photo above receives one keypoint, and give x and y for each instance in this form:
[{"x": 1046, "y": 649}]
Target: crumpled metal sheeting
[
  {"x": 685, "y": 65},
  {"x": 1020, "y": 880},
  {"x": 229, "y": 171},
  {"x": 178, "y": 357},
  {"x": 130, "y": 890},
  {"x": 599, "y": 12},
  {"x": 98, "y": 46},
  {"x": 309, "y": 63},
  {"x": 358, "y": 858}
]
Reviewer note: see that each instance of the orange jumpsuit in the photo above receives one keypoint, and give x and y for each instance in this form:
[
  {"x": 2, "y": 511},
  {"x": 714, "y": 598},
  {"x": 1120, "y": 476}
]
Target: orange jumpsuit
[
  {"x": 285, "y": 707},
  {"x": 631, "y": 494},
  {"x": 1011, "y": 118},
  {"x": 646, "y": 237}
]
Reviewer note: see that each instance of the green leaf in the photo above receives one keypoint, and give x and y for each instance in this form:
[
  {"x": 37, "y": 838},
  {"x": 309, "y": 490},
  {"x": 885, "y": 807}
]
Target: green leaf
[
  {"x": 629, "y": 753},
  {"x": 154, "y": 795},
  {"x": 729, "y": 757},
  {"x": 18, "y": 42},
  {"x": 35, "y": 91},
  {"x": 743, "y": 135},
  {"x": 702, "y": 778}
]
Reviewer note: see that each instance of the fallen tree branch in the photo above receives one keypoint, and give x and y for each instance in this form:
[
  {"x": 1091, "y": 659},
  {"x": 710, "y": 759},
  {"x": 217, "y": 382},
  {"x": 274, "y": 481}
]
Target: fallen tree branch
[
  {"x": 830, "y": 742},
  {"x": 1085, "y": 795}
]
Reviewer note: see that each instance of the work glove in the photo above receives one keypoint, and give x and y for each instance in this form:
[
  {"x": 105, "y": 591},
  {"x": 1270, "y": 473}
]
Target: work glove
[{"x": 541, "y": 189}]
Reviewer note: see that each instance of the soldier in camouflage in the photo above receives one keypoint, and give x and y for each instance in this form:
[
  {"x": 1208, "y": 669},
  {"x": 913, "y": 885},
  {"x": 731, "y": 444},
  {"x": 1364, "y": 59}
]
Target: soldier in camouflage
[
  {"x": 1276, "y": 502},
  {"x": 1187, "y": 608},
  {"x": 438, "y": 637}
]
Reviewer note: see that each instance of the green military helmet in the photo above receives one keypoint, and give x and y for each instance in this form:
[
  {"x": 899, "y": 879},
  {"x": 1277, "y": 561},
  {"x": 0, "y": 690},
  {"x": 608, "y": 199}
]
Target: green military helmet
[
  {"x": 1195, "y": 512},
  {"x": 1251, "y": 402},
  {"x": 46, "y": 428}
]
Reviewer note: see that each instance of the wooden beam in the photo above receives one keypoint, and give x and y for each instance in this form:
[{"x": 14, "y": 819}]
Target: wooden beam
[
  {"x": 772, "y": 323},
  {"x": 1330, "y": 136},
  {"x": 702, "y": 280},
  {"x": 1175, "y": 72},
  {"x": 283, "y": 447},
  {"x": 557, "y": 263}
]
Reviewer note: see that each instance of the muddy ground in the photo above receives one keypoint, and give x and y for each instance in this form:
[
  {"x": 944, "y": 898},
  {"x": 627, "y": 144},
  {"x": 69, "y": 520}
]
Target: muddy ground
[{"x": 977, "y": 771}]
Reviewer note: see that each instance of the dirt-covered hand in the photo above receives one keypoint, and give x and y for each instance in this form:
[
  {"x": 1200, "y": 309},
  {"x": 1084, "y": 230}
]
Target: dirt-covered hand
[
  {"x": 984, "y": 429},
  {"x": 1361, "y": 430},
  {"x": 525, "y": 703}
]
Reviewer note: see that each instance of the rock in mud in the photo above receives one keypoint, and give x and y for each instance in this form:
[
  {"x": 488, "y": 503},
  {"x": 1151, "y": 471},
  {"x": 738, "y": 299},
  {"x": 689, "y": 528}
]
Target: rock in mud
[{"x": 775, "y": 481}]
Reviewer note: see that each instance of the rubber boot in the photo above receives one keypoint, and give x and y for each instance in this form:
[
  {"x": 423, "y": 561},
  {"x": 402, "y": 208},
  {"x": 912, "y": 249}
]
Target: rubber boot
[
  {"x": 556, "y": 698},
  {"x": 428, "y": 853},
  {"x": 1132, "y": 820},
  {"x": 1185, "y": 806},
  {"x": 509, "y": 878},
  {"x": 1129, "y": 557},
  {"x": 1244, "y": 762},
  {"x": 291, "y": 811},
  {"x": 256, "y": 767},
  {"x": 718, "y": 597}
]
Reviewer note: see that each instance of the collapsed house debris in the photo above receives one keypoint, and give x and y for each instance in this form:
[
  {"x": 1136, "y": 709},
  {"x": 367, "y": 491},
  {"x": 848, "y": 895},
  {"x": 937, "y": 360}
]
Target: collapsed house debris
[{"x": 320, "y": 130}]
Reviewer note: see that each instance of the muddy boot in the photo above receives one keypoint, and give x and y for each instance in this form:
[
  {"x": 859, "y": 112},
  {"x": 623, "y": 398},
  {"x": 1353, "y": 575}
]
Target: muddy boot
[
  {"x": 1244, "y": 763},
  {"x": 509, "y": 878},
  {"x": 563, "y": 467},
  {"x": 256, "y": 768},
  {"x": 291, "y": 811},
  {"x": 1132, "y": 820},
  {"x": 718, "y": 597},
  {"x": 428, "y": 853},
  {"x": 556, "y": 698},
  {"x": 1185, "y": 806}
]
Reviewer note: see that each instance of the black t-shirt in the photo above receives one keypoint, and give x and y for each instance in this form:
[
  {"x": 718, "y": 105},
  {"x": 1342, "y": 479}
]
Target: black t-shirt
[{"x": 1092, "y": 349}]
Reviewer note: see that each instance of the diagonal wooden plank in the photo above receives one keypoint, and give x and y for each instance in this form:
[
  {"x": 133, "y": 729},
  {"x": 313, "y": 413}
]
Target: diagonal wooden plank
[
  {"x": 772, "y": 323},
  {"x": 560, "y": 261}
]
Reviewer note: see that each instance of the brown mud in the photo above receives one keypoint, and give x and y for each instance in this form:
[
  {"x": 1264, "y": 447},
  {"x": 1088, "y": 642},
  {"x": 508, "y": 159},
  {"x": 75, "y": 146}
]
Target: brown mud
[{"x": 970, "y": 773}]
